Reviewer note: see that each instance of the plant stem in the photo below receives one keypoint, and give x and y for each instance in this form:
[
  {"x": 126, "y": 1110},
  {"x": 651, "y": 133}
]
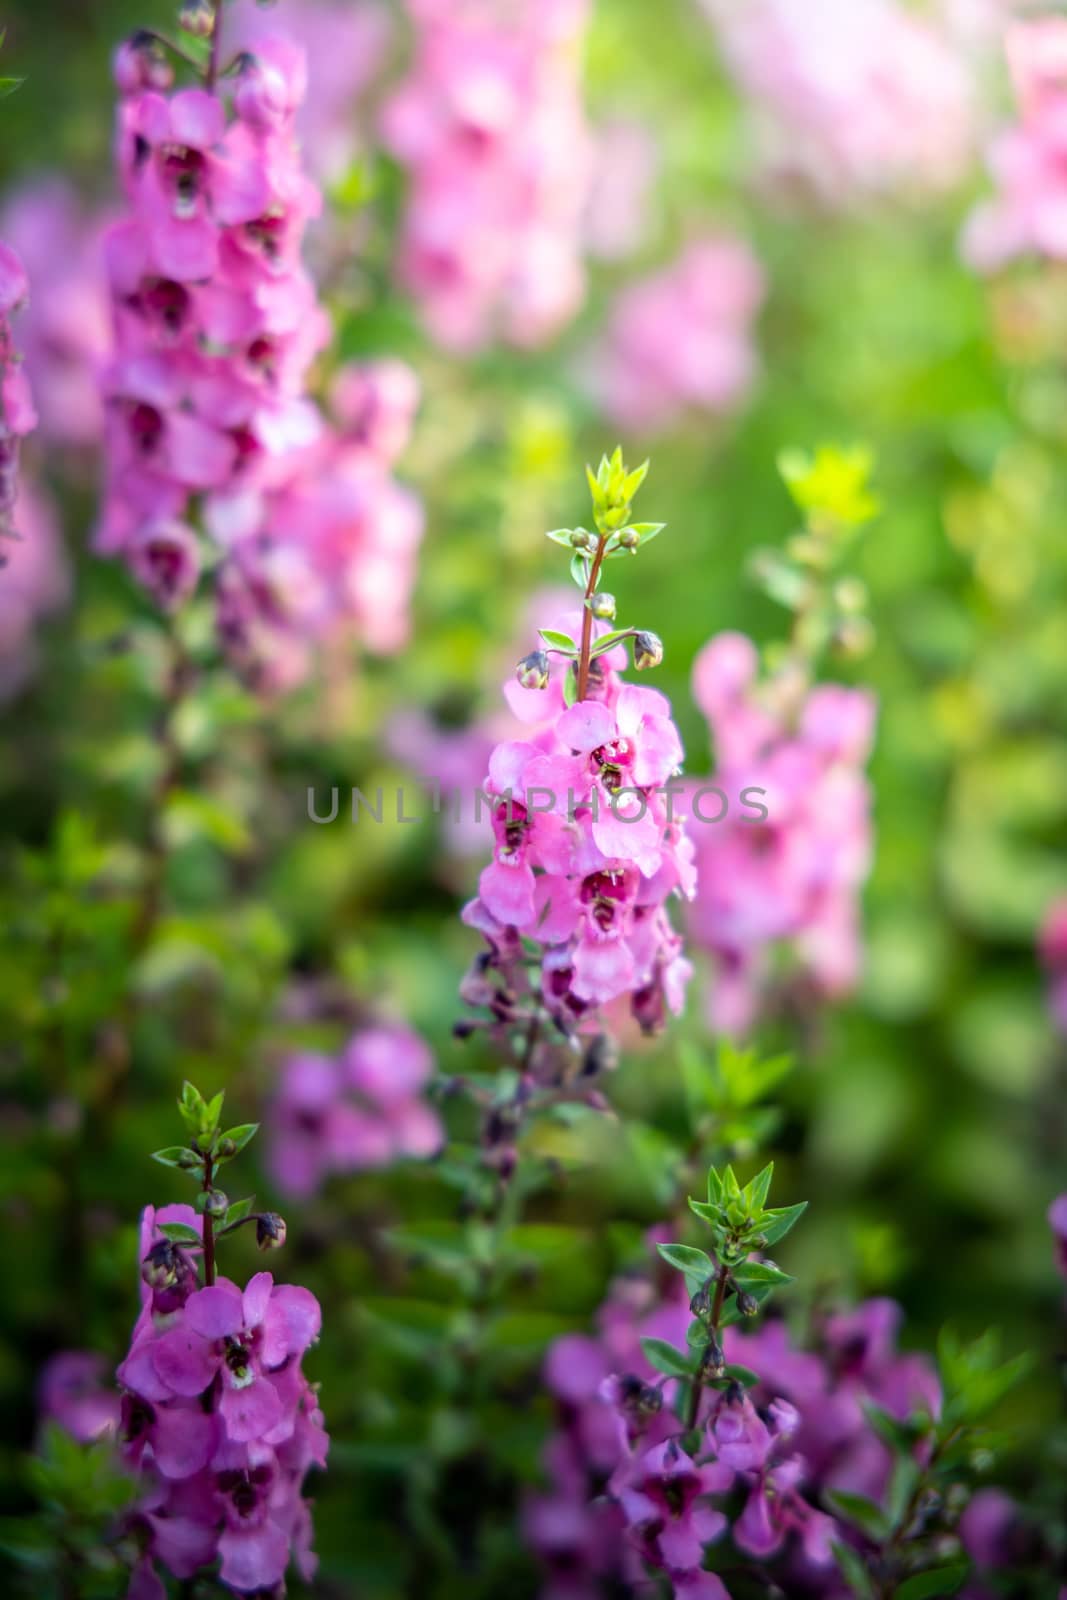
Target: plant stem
[
  {"x": 587, "y": 617},
  {"x": 696, "y": 1387},
  {"x": 216, "y": 47},
  {"x": 209, "y": 1229}
]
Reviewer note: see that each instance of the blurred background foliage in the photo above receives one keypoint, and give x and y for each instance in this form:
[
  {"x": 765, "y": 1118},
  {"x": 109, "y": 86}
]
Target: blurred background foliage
[{"x": 924, "y": 1119}]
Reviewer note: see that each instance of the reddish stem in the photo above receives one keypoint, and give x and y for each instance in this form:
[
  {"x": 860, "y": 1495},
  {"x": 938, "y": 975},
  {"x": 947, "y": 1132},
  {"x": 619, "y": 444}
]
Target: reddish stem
[
  {"x": 209, "y": 1229},
  {"x": 587, "y": 618}
]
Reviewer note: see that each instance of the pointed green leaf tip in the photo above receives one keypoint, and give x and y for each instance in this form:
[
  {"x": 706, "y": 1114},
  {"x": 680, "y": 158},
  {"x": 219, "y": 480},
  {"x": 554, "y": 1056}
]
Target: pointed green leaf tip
[{"x": 666, "y": 1359}]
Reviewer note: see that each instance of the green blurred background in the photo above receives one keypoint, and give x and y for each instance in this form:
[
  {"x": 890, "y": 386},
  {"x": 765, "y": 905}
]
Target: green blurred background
[{"x": 924, "y": 1119}]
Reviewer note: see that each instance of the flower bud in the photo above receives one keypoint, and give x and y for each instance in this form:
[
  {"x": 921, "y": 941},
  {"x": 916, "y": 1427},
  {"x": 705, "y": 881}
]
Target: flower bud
[
  {"x": 581, "y": 539},
  {"x": 198, "y": 18},
  {"x": 226, "y": 1149},
  {"x": 601, "y": 1055},
  {"x": 747, "y": 1304},
  {"x": 163, "y": 1265},
  {"x": 215, "y": 1203},
  {"x": 270, "y": 1231},
  {"x": 648, "y": 651},
  {"x": 629, "y": 539},
  {"x": 532, "y": 670},
  {"x": 603, "y": 607}
]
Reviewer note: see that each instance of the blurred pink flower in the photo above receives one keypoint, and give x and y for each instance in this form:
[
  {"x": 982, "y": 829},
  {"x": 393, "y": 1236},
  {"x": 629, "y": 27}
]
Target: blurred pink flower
[
  {"x": 65, "y": 331},
  {"x": 790, "y": 883},
  {"x": 490, "y": 127},
  {"x": 73, "y": 1391},
  {"x": 345, "y": 46},
  {"x": 17, "y": 414},
  {"x": 850, "y": 97},
  {"x": 34, "y": 584},
  {"x": 342, "y": 1114},
  {"x": 681, "y": 340},
  {"x": 1028, "y": 213}
]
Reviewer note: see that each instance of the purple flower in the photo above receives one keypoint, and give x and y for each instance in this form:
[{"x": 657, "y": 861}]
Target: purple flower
[
  {"x": 359, "y": 1110},
  {"x": 219, "y": 1422}
]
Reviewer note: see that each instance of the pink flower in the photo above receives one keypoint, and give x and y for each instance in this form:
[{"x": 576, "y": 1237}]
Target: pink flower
[
  {"x": 490, "y": 127},
  {"x": 64, "y": 329},
  {"x": 588, "y": 848},
  {"x": 681, "y": 340},
  {"x": 72, "y": 1391},
  {"x": 219, "y": 1421},
  {"x": 17, "y": 414},
  {"x": 786, "y": 882},
  {"x": 345, "y": 1114},
  {"x": 1057, "y": 1217},
  {"x": 862, "y": 97},
  {"x": 34, "y": 584},
  {"x": 1052, "y": 950},
  {"x": 1026, "y": 214}
]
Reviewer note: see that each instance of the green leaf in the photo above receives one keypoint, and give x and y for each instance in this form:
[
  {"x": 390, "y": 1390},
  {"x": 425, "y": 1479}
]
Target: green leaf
[
  {"x": 777, "y": 1222},
  {"x": 899, "y": 1436},
  {"x": 861, "y": 1512},
  {"x": 178, "y": 1232},
  {"x": 560, "y": 535},
  {"x": 697, "y": 1266},
  {"x": 175, "y": 1155},
  {"x": 714, "y": 1187},
  {"x": 580, "y": 570},
  {"x": 742, "y": 1375},
  {"x": 940, "y": 1580},
  {"x": 608, "y": 641},
  {"x": 559, "y": 641},
  {"x": 238, "y": 1212},
  {"x": 240, "y": 1137},
  {"x": 854, "y": 1571},
  {"x": 705, "y": 1212},
  {"x": 212, "y": 1113},
  {"x": 758, "y": 1275},
  {"x": 666, "y": 1359},
  {"x": 759, "y": 1188},
  {"x": 686, "y": 1259},
  {"x": 570, "y": 687},
  {"x": 9, "y": 85}
]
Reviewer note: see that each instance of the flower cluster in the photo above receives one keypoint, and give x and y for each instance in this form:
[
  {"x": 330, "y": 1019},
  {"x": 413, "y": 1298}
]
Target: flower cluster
[
  {"x": 588, "y": 843},
  {"x": 219, "y": 1422},
  {"x": 1052, "y": 948},
  {"x": 65, "y": 331},
  {"x": 1026, "y": 160},
  {"x": 17, "y": 414},
  {"x": 215, "y": 319},
  {"x": 490, "y": 127},
  {"x": 681, "y": 340},
  {"x": 361, "y": 1109},
  {"x": 786, "y": 882},
  {"x": 659, "y": 1454},
  {"x": 340, "y": 554},
  {"x": 865, "y": 97}
]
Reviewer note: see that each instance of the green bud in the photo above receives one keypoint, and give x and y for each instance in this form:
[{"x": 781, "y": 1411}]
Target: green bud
[
  {"x": 603, "y": 607},
  {"x": 629, "y": 539},
  {"x": 216, "y": 1204},
  {"x": 581, "y": 539}
]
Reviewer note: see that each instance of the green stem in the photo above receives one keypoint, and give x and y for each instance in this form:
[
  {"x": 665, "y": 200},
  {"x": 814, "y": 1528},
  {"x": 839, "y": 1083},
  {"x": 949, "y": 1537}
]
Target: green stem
[
  {"x": 696, "y": 1387},
  {"x": 209, "y": 1228}
]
